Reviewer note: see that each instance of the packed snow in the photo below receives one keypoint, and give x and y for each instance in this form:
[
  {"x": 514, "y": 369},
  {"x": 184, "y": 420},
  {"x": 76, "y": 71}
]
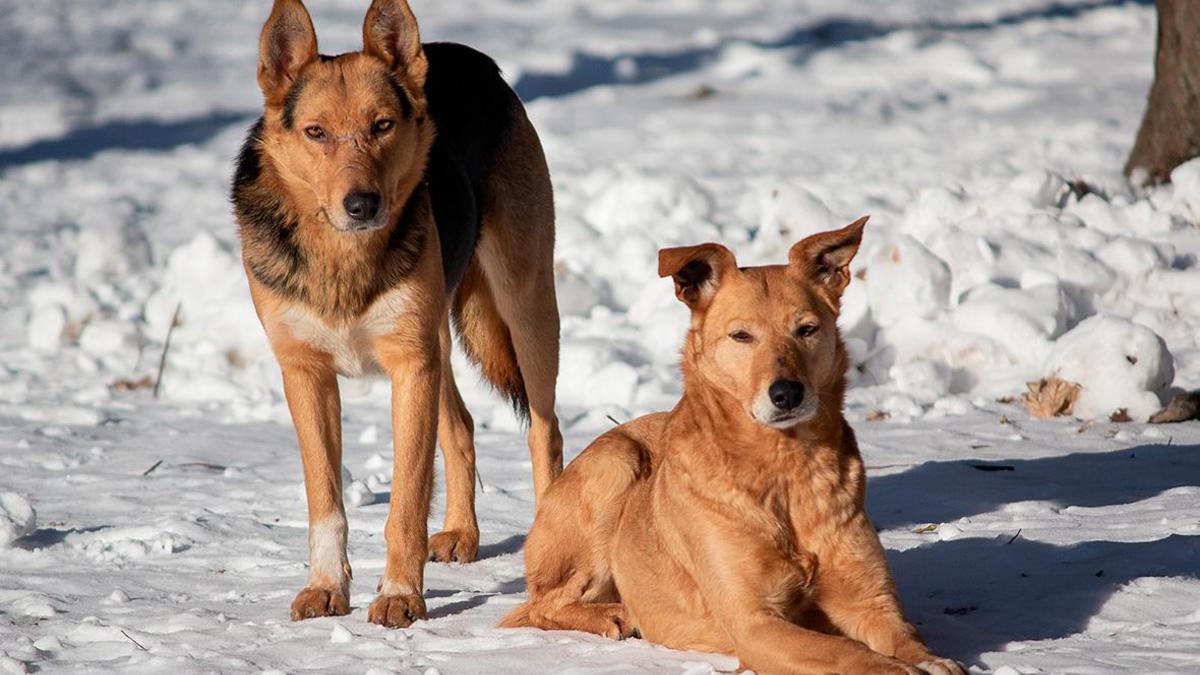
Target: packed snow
[{"x": 985, "y": 139}]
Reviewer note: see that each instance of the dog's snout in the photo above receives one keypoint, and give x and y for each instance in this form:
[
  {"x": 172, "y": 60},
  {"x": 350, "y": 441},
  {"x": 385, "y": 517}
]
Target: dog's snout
[
  {"x": 361, "y": 206},
  {"x": 786, "y": 394}
]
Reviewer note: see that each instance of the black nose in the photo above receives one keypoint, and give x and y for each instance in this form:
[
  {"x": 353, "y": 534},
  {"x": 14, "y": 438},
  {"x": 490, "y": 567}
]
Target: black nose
[
  {"x": 361, "y": 205},
  {"x": 786, "y": 394}
]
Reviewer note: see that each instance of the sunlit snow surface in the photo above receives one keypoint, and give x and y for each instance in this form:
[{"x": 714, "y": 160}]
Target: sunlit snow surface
[{"x": 967, "y": 130}]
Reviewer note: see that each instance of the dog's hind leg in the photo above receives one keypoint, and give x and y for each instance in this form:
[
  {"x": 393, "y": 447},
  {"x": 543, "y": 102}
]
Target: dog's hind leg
[
  {"x": 568, "y": 564},
  {"x": 459, "y": 539},
  {"x": 516, "y": 253},
  {"x": 562, "y": 609},
  {"x": 532, "y": 317}
]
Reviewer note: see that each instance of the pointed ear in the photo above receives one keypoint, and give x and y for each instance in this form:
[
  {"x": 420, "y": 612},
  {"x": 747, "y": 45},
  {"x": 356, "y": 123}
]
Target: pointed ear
[
  {"x": 390, "y": 34},
  {"x": 696, "y": 270},
  {"x": 825, "y": 257},
  {"x": 287, "y": 44}
]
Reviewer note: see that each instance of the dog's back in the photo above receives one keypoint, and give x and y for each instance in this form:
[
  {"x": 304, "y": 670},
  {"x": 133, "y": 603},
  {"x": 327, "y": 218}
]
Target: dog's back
[{"x": 473, "y": 109}]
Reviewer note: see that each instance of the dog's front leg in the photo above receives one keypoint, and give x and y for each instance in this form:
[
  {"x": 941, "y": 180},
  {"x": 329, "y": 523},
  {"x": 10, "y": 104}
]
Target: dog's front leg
[
  {"x": 856, "y": 592},
  {"x": 740, "y": 576},
  {"x": 311, "y": 387},
  {"x": 415, "y": 373}
]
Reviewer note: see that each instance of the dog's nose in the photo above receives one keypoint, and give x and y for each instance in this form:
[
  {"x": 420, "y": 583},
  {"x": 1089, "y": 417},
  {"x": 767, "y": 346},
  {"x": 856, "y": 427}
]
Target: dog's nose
[
  {"x": 361, "y": 205},
  {"x": 786, "y": 394}
]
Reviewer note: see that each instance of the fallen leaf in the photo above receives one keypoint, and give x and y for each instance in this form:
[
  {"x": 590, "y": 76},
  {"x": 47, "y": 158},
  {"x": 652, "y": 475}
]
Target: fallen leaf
[
  {"x": 1050, "y": 397},
  {"x": 133, "y": 385}
]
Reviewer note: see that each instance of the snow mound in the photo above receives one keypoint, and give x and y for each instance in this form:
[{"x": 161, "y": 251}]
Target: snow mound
[
  {"x": 906, "y": 280},
  {"x": 17, "y": 518},
  {"x": 1121, "y": 365}
]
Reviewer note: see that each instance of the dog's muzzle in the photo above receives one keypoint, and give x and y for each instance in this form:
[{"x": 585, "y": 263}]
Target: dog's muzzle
[
  {"x": 785, "y": 404},
  {"x": 363, "y": 211}
]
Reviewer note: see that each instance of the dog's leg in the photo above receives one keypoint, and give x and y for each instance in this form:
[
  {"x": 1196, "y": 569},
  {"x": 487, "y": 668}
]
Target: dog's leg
[
  {"x": 516, "y": 252},
  {"x": 859, "y": 597},
  {"x": 739, "y": 575},
  {"x": 535, "y": 338},
  {"x": 310, "y": 384},
  {"x": 526, "y": 301},
  {"x": 459, "y": 539},
  {"x": 586, "y": 601},
  {"x": 410, "y": 358},
  {"x": 562, "y": 609}
]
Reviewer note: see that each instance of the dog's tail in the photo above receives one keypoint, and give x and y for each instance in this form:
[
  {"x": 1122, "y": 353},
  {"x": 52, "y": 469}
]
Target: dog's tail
[
  {"x": 517, "y": 618},
  {"x": 487, "y": 339}
]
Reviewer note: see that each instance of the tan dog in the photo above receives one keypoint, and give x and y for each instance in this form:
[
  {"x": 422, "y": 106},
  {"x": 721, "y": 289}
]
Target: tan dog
[
  {"x": 382, "y": 193},
  {"x": 735, "y": 523}
]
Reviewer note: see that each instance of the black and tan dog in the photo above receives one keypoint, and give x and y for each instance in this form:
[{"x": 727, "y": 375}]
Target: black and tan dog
[{"x": 381, "y": 194}]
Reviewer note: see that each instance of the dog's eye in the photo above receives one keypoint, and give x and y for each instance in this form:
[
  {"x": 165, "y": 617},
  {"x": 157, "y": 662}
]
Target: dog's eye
[
  {"x": 383, "y": 126},
  {"x": 806, "y": 330},
  {"x": 741, "y": 336},
  {"x": 315, "y": 132}
]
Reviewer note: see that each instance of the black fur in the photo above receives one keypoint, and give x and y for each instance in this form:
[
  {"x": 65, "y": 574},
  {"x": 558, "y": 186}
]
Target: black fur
[
  {"x": 289, "y": 102},
  {"x": 472, "y": 107},
  {"x": 406, "y": 105},
  {"x": 263, "y": 218}
]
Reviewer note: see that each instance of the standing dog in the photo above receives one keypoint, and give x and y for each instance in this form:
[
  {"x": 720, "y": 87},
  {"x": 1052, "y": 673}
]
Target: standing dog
[
  {"x": 736, "y": 522},
  {"x": 381, "y": 193}
]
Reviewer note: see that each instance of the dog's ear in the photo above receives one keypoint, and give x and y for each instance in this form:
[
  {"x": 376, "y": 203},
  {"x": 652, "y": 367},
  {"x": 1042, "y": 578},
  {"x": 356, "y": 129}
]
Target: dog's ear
[
  {"x": 287, "y": 44},
  {"x": 696, "y": 270},
  {"x": 825, "y": 257},
  {"x": 390, "y": 33}
]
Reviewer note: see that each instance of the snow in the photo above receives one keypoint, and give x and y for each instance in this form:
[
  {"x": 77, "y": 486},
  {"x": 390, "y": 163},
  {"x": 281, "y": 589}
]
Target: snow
[
  {"x": 985, "y": 140},
  {"x": 17, "y": 518},
  {"x": 1120, "y": 364}
]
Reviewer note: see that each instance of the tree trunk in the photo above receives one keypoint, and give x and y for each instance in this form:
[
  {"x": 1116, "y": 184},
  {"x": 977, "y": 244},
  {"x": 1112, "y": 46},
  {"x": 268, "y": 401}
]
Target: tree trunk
[{"x": 1170, "y": 132}]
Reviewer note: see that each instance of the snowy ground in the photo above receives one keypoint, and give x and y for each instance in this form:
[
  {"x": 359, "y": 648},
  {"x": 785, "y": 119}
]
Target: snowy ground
[{"x": 985, "y": 139}]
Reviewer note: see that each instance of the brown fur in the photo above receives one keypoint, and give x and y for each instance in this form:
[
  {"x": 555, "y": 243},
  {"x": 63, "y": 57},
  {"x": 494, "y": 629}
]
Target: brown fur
[
  {"x": 728, "y": 525},
  {"x": 337, "y": 294}
]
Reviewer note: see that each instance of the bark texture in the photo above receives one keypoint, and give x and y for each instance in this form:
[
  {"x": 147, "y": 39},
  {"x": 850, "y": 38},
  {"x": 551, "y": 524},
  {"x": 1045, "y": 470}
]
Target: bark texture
[{"x": 1170, "y": 131}]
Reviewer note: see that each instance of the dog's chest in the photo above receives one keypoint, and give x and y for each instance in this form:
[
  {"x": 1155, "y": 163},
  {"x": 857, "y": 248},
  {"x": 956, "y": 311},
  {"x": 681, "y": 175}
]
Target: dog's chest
[{"x": 350, "y": 344}]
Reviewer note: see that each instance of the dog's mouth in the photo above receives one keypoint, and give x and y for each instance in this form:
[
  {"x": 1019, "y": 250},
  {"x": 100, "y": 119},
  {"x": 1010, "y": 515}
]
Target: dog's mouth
[
  {"x": 352, "y": 226},
  {"x": 783, "y": 420}
]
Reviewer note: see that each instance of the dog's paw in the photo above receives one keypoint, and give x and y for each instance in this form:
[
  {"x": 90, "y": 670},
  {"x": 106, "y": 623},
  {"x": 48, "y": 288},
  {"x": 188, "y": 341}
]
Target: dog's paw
[
  {"x": 893, "y": 667},
  {"x": 615, "y": 623},
  {"x": 454, "y": 546},
  {"x": 396, "y": 611},
  {"x": 866, "y": 662},
  {"x": 311, "y": 603},
  {"x": 940, "y": 666}
]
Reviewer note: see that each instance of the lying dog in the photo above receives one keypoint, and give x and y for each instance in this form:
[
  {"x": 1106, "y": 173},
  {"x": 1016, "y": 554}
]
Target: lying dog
[
  {"x": 381, "y": 193},
  {"x": 735, "y": 523}
]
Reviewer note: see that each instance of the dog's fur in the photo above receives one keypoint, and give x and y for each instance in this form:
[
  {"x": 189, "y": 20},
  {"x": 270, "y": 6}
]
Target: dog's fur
[
  {"x": 734, "y": 523},
  {"x": 461, "y": 228}
]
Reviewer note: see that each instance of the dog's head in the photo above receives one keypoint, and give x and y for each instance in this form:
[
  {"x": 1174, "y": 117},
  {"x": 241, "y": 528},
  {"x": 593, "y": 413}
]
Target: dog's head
[
  {"x": 767, "y": 337},
  {"x": 349, "y": 135}
]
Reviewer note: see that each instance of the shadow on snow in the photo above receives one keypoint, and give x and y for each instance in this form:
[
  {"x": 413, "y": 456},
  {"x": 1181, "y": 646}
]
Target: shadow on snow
[
  {"x": 589, "y": 70},
  {"x": 586, "y": 71},
  {"x": 85, "y": 142},
  {"x": 974, "y": 595}
]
